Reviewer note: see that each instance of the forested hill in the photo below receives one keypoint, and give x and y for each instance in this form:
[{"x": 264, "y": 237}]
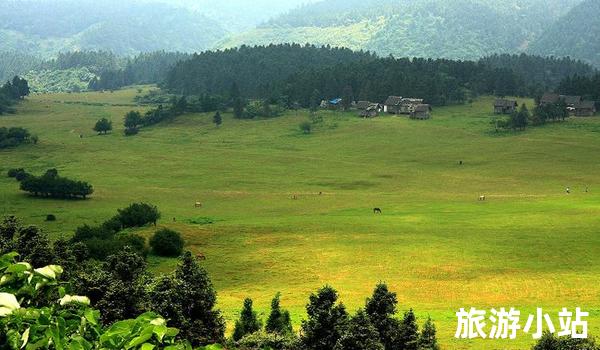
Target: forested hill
[
  {"x": 576, "y": 34},
  {"x": 46, "y": 27},
  {"x": 293, "y": 73},
  {"x": 463, "y": 29}
]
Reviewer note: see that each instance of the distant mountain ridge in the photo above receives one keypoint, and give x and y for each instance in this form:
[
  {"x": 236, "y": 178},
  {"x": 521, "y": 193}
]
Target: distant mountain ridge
[
  {"x": 576, "y": 34},
  {"x": 44, "y": 27},
  {"x": 458, "y": 29}
]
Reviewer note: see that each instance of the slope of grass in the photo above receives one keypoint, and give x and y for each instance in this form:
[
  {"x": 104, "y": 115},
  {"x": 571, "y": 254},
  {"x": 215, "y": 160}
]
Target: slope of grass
[{"x": 529, "y": 245}]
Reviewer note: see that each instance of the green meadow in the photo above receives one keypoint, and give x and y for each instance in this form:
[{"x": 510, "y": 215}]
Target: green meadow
[{"x": 530, "y": 244}]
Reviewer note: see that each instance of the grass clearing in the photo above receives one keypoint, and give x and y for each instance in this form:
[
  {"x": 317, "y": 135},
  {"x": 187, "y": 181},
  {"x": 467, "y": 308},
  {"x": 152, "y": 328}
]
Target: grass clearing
[{"x": 529, "y": 245}]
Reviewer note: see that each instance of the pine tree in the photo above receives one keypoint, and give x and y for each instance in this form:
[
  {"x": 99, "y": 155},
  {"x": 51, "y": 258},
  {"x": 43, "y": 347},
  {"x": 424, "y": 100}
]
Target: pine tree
[
  {"x": 314, "y": 100},
  {"x": 248, "y": 322},
  {"x": 326, "y": 321},
  {"x": 360, "y": 334},
  {"x": 188, "y": 299},
  {"x": 381, "y": 308},
  {"x": 409, "y": 332},
  {"x": 279, "y": 320},
  {"x": 427, "y": 339},
  {"x": 347, "y": 97}
]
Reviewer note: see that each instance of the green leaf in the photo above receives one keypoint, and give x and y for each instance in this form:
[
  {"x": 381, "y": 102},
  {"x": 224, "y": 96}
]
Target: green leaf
[{"x": 147, "y": 346}]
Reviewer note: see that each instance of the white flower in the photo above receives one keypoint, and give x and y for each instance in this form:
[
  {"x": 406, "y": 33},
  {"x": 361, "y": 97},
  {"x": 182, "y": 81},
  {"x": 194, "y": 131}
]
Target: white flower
[
  {"x": 74, "y": 299},
  {"x": 8, "y": 304}
]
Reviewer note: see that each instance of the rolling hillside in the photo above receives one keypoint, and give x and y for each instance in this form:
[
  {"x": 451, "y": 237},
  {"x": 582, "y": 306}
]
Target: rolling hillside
[
  {"x": 575, "y": 34},
  {"x": 44, "y": 27},
  {"x": 424, "y": 28}
]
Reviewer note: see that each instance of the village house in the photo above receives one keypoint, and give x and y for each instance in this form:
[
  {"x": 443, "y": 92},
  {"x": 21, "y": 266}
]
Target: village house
[
  {"x": 422, "y": 112},
  {"x": 503, "y": 106},
  {"x": 585, "y": 109},
  {"x": 371, "y": 111},
  {"x": 362, "y": 105},
  {"x": 392, "y": 104},
  {"x": 408, "y": 105}
]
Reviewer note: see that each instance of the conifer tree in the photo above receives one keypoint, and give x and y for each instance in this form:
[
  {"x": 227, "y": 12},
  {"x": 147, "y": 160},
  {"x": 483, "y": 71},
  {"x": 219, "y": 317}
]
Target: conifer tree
[{"x": 248, "y": 322}]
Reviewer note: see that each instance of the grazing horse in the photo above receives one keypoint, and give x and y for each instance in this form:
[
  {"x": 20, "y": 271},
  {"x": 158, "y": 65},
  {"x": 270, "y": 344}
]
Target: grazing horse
[
  {"x": 200, "y": 256},
  {"x": 198, "y": 205},
  {"x": 377, "y": 211},
  {"x": 482, "y": 198}
]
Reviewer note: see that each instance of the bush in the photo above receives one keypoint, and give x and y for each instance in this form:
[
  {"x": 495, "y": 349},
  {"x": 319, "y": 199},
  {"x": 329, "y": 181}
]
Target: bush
[
  {"x": 50, "y": 217},
  {"x": 167, "y": 243},
  {"x": 259, "y": 341},
  {"x": 131, "y": 131},
  {"x": 138, "y": 215},
  {"x": 12, "y": 173}
]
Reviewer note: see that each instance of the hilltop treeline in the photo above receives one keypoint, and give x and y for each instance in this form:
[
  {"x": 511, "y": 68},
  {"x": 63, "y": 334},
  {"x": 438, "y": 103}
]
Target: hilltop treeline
[{"x": 294, "y": 72}]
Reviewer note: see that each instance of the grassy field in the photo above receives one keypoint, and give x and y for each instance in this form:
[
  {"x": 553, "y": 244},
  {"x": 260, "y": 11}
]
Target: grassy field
[{"x": 529, "y": 245}]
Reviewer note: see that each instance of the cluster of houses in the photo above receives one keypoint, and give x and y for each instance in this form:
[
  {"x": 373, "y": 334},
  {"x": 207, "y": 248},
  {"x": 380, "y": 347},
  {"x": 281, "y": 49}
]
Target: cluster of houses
[
  {"x": 413, "y": 107},
  {"x": 576, "y": 105}
]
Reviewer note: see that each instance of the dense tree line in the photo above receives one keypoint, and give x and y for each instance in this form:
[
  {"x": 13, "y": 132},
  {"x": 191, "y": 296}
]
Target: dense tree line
[
  {"x": 586, "y": 86},
  {"x": 535, "y": 75},
  {"x": 258, "y": 71},
  {"x": 292, "y": 73},
  {"x": 50, "y": 184}
]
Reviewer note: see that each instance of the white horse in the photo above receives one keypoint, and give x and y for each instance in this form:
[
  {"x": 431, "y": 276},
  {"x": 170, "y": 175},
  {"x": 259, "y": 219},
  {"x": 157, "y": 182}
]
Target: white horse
[
  {"x": 482, "y": 198},
  {"x": 198, "y": 205}
]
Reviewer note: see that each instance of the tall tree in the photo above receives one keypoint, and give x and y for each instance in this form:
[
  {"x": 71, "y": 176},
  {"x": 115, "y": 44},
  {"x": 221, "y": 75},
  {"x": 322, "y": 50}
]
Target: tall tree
[
  {"x": 188, "y": 299},
  {"x": 427, "y": 338},
  {"x": 279, "y": 320},
  {"x": 409, "y": 332},
  {"x": 360, "y": 334},
  {"x": 327, "y": 320},
  {"x": 248, "y": 322},
  {"x": 381, "y": 309},
  {"x": 347, "y": 97}
]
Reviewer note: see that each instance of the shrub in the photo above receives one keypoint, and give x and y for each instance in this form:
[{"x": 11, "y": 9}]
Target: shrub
[
  {"x": 274, "y": 341},
  {"x": 14, "y": 172},
  {"x": 50, "y": 217},
  {"x": 103, "y": 126},
  {"x": 138, "y": 215},
  {"x": 131, "y": 131},
  {"x": 167, "y": 242}
]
